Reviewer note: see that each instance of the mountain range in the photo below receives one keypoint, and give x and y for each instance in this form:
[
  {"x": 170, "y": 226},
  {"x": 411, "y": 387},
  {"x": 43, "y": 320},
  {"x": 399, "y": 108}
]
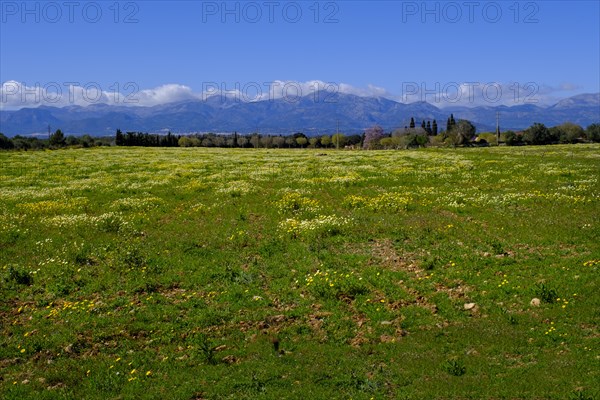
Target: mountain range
[{"x": 313, "y": 115}]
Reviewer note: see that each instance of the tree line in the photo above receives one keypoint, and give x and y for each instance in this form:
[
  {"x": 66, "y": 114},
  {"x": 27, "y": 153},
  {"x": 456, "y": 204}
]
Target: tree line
[
  {"x": 146, "y": 140},
  {"x": 235, "y": 140},
  {"x": 54, "y": 141},
  {"x": 457, "y": 133},
  {"x": 539, "y": 134}
]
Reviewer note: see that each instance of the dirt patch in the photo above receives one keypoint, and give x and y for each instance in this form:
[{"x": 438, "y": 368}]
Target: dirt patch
[
  {"x": 385, "y": 255},
  {"x": 362, "y": 329}
]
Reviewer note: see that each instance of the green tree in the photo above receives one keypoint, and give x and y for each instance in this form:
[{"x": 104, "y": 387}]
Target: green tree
[
  {"x": 450, "y": 124},
  {"x": 120, "y": 139},
  {"x": 554, "y": 134},
  {"x": 412, "y": 140},
  {"x": 314, "y": 141},
  {"x": 290, "y": 141},
  {"x": 488, "y": 137},
  {"x": 511, "y": 138},
  {"x": 536, "y": 134},
  {"x": 5, "y": 143},
  {"x": 20, "y": 143},
  {"x": 243, "y": 141},
  {"x": 434, "y": 128},
  {"x": 592, "y": 133},
  {"x": 72, "y": 141},
  {"x": 57, "y": 139},
  {"x": 266, "y": 141},
  {"x": 279, "y": 141},
  {"x": 87, "y": 141},
  {"x": 392, "y": 142},
  {"x": 464, "y": 132},
  {"x": 570, "y": 133},
  {"x": 301, "y": 141},
  {"x": 339, "y": 140},
  {"x": 353, "y": 140},
  {"x": 207, "y": 142},
  {"x": 185, "y": 141},
  {"x": 325, "y": 140},
  {"x": 412, "y": 122}
]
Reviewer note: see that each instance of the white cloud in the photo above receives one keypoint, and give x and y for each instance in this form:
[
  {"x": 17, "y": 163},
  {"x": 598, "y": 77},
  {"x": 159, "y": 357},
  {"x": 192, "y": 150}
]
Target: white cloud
[
  {"x": 474, "y": 94},
  {"x": 369, "y": 91},
  {"x": 16, "y": 95},
  {"x": 165, "y": 94},
  {"x": 292, "y": 91}
]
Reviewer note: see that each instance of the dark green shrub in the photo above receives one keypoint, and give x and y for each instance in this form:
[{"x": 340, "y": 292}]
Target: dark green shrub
[
  {"x": 546, "y": 293},
  {"x": 20, "y": 276},
  {"x": 455, "y": 367}
]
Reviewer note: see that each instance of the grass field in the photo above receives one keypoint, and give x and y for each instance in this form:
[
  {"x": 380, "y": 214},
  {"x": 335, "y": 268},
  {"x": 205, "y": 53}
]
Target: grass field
[{"x": 131, "y": 273}]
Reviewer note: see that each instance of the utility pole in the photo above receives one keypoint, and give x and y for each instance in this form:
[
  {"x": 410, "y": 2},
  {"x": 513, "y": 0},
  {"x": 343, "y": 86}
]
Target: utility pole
[
  {"x": 498, "y": 128},
  {"x": 337, "y": 135}
]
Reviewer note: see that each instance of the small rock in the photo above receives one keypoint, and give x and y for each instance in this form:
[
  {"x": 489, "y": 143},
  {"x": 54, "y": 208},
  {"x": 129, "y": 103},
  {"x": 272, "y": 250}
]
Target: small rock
[
  {"x": 535, "y": 302},
  {"x": 276, "y": 318},
  {"x": 387, "y": 339},
  {"x": 59, "y": 385},
  {"x": 229, "y": 359},
  {"x": 469, "y": 306}
]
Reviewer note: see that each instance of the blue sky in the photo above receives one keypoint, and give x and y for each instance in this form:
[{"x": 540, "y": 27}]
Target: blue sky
[{"x": 547, "y": 49}]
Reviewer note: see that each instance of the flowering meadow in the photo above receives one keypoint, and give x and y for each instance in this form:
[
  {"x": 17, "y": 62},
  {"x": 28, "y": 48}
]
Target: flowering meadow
[{"x": 199, "y": 273}]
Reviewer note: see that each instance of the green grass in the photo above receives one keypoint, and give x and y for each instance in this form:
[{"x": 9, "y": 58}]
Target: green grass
[{"x": 212, "y": 274}]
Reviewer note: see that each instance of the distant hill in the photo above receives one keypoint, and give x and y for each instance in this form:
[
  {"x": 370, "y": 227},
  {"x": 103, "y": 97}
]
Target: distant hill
[{"x": 308, "y": 114}]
